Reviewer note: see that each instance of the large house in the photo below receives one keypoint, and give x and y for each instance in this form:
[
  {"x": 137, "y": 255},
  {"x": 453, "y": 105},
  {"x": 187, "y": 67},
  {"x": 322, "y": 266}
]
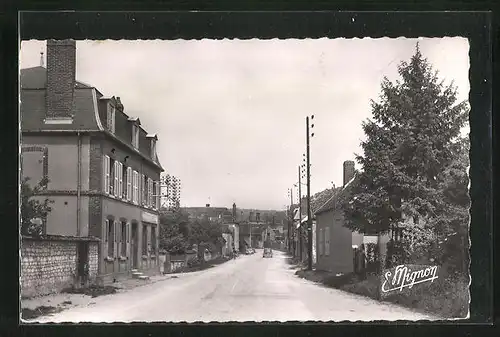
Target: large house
[
  {"x": 103, "y": 168},
  {"x": 336, "y": 243}
]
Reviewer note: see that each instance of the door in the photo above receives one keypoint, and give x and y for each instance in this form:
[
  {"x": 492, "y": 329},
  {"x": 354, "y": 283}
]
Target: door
[
  {"x": 83, "y": 262},
  {"x": 134, "y": 246}
]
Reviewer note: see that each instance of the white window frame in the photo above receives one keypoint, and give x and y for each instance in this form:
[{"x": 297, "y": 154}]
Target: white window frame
[
  {"x": 327, "y": 240},
  {"x": 150, "y": 192},
  {"x": 135, "y": 188},
  {"x": 157, "y": 195},
  {"x": 106, "y": 177},
  {"x": 129, "y": 183},
  {"x": 115, "y": 182},
  {"x": 120, "y": 180}
]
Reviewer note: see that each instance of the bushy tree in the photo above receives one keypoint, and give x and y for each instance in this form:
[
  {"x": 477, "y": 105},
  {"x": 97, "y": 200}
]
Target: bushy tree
[
  {"x": 34, "y": 210},
  {"x": 414, "y": 161},
  {"x": 173, "y": 237}
]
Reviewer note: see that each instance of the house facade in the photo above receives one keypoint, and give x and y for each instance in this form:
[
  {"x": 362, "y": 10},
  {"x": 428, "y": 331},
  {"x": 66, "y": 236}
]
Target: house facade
[
  {"x": 334, "y": 242},
  {"x": 102, "y": 165}
]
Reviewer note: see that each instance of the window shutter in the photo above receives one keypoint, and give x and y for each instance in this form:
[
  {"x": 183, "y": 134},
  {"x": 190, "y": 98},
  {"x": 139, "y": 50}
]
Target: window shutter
[
  {"x": 120, "y": 180},
  {"x": 321, "y": 241},
  {"x": 115, "y": 186},
  {"x": 136, "y": 187},
  {"x": 150, "y": 192},
  {"x": 141, "y": 189},
  {"x": 327, "y": 241},
  {"x": 157, "y": 195},
  {"x": 106, "y": 174},
  {"x": 129, "y": 183}
]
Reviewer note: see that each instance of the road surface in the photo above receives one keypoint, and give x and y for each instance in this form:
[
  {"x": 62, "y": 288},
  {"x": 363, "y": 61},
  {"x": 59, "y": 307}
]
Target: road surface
[{"x": 250, "y": 288}]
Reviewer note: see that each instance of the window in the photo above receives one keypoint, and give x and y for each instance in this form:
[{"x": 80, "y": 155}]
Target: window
[
  {"x": 150, "y": 192},
  {"x": 107, "y": 172},
  {"x": 144, "y": 240},
  {"x": 153, "y": 240},
  {"x": 327, "y": 241},
  {"x": 135, "y": 191},
  {"x": 144, "y": 181},
  {"x": 128, "y": 183},
  {"x": 320, "y": 246},
  {"x": 135, "y": 136},
  {"x": 111, "y": 118},
  {"x": 157, "y": 198},
  {"x": 123, "y": 241},
  {"x": 110, "y": 237},
  {"x": 120, "y": 170},
  {"x": 112, "y": 176},
  {"x": 153, "y": 149}
]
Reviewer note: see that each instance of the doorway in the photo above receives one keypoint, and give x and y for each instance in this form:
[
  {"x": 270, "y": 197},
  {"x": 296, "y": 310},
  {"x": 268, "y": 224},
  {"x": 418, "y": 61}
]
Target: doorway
[
  {"x": 83, "y": 262},
  {"x": 134, "y": 246}
]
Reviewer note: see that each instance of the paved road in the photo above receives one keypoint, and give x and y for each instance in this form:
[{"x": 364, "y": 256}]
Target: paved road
[{"x": 249, "y": 288}]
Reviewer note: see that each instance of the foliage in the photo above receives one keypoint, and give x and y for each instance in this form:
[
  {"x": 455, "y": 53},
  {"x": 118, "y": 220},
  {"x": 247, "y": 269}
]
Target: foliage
[
  {"x": 33, "y": 208},
  {"x": 173, "y": 236},
  {"x": 414, "y": 162},
  {"x": 372, "y": 255}
]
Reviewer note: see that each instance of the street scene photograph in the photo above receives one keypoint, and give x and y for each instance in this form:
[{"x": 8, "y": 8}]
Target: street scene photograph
[{"x": 309, "y": 180}]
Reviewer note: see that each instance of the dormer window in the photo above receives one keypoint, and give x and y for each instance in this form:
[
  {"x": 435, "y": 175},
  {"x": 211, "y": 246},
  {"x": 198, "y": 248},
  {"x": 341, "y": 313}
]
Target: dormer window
[
  {"x": 135, "y": 131},
  {"x": 111, "y": 118},
  {"x": 152, "y": 138},
  {"x": 135, "y": 136},
  {"x": 153, "y": 148}
]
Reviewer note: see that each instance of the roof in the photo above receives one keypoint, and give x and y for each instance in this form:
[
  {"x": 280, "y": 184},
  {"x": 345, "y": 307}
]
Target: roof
[
  {"x": 88, "y": 115},
  {"x": 36, "y": 78},
  {"x": 332, "y": 202}
]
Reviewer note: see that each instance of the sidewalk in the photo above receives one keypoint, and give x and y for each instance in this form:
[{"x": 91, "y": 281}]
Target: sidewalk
[
  {"x": 43, "y": 305},
  {"x": 48, "y": 304}
]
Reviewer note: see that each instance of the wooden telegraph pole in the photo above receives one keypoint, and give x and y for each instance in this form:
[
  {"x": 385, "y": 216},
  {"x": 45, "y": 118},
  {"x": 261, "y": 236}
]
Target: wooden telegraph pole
[{"x": 309, "y": 217}]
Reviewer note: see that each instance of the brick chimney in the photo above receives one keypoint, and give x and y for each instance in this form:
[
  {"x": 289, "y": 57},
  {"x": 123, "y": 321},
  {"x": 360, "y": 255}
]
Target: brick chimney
[
  {"x": 61, "y": 72},
  {"x": 348, "y": 171}
]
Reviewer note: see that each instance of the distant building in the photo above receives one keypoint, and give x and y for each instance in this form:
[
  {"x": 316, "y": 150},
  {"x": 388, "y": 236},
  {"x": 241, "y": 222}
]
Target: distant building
[{"x": 171, "y": 191}]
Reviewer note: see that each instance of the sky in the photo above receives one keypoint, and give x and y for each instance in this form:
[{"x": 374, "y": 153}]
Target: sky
[{"x": 230, "y": 114}]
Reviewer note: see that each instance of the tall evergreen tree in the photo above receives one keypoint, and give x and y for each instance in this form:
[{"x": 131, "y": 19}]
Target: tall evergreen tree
[{"x": 413, "y": 147}]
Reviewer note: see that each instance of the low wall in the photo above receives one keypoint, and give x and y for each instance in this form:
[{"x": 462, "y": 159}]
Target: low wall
[
  {"x": 174, "y": 262},
  {"x": 50, "y": 264}
]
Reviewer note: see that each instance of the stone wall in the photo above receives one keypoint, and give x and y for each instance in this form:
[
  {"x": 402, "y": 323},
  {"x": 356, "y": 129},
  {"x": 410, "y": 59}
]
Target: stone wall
[{"x": 49, "y": 265}]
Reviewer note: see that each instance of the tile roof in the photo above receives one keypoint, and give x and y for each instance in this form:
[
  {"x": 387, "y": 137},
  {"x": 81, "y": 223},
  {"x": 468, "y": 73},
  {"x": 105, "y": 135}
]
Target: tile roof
[{"x": 331, "y": 203}]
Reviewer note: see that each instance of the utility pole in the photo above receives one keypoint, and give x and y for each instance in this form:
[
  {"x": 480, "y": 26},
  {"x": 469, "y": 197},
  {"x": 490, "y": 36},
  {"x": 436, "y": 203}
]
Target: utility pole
[
  {"x": 291, "y": 220},
  {"x": 309, "y": 218},
  {"x": 300, "y": 219}
]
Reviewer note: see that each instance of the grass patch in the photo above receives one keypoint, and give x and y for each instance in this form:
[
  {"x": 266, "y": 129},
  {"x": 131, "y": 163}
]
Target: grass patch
[
  {"x": 93, "y": 290},
  {"x": 199, "y": 265},
  {"x": 448, "y": 297},
  {"x": 42, "y": 310}
]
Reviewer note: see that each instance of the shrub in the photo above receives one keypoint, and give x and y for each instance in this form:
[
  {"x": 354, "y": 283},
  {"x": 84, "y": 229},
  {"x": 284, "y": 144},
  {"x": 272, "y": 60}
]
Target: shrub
[
  {"x": 449, "y": 297},
  {"x": 338, "y": 281},
  {"x": 369, "y": 287}
]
